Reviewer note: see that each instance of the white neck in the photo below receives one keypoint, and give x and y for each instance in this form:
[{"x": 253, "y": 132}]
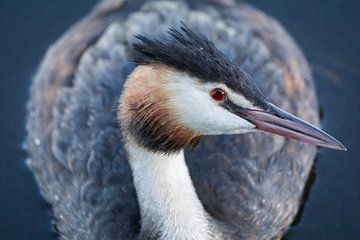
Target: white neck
[{"x": 169, "y": 206}]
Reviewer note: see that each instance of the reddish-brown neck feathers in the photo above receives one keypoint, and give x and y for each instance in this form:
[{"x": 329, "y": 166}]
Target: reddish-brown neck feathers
[{"x": 145, "y": 113}]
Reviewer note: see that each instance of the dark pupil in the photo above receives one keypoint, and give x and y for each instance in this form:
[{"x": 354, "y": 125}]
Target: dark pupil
[{"x": 218, "y": 94}]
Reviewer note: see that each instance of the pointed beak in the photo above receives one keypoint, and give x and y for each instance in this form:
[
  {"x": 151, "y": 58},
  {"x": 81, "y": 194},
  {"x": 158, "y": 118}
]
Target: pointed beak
[{"x": 278, "y": 121}]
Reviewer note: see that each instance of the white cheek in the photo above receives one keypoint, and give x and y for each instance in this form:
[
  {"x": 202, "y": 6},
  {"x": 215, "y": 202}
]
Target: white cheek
[{"x": 197, "y": 110}]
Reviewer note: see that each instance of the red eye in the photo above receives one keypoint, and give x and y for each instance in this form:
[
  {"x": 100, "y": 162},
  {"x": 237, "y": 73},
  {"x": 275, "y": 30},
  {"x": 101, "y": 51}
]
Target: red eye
[{"x": 218, "y": 94}]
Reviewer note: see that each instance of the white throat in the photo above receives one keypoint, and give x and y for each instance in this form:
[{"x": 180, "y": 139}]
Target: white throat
[{"x": 169, "y": 206}]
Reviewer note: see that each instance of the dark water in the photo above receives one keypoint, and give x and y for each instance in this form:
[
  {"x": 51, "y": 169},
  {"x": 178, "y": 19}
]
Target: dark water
[{"x": 327, "y": 30}]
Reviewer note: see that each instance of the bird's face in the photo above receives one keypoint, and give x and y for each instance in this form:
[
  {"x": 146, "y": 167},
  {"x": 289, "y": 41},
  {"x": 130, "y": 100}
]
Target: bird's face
[
  {"x": 200, "y": 105},
  {"x": 189, "y": 88},
  {"x": 212, "y": 108},
  {"x": 165, "y": 109}
]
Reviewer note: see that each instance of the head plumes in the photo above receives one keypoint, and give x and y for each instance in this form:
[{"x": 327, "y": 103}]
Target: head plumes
[
  {"x": 196, "y": 55},
  {"x": 185, "y": 51}
]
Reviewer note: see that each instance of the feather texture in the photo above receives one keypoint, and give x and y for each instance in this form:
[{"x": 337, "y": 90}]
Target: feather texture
[{"x": 252, "y": 184}]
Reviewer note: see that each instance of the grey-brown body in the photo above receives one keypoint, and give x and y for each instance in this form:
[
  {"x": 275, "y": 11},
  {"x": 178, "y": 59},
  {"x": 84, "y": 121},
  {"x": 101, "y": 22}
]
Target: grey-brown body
[{"x": 250, "y": 184}]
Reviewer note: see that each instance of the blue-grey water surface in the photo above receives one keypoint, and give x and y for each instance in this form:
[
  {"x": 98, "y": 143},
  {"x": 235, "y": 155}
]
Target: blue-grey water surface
[{"x": 327, "y": 30}]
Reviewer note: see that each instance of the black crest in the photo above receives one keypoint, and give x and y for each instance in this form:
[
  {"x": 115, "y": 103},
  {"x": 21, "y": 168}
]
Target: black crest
[{"x": 195, "y": 54}]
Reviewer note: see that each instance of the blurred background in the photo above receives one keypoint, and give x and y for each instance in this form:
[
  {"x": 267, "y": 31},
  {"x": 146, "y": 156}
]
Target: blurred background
[{"x": 328, "y": 31}]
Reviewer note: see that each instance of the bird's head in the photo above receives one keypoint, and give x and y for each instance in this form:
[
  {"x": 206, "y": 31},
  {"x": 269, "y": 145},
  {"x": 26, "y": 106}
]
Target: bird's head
[{"x": 185, "y": 87}]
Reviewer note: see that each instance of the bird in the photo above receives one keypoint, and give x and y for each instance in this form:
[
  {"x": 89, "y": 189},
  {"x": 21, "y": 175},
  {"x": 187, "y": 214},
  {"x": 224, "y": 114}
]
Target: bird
[{"x": 161, "y": 119}]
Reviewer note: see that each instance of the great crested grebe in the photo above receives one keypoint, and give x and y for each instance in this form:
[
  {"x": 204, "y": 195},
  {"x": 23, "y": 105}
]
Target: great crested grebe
[{"x": 108, "y": 139}]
